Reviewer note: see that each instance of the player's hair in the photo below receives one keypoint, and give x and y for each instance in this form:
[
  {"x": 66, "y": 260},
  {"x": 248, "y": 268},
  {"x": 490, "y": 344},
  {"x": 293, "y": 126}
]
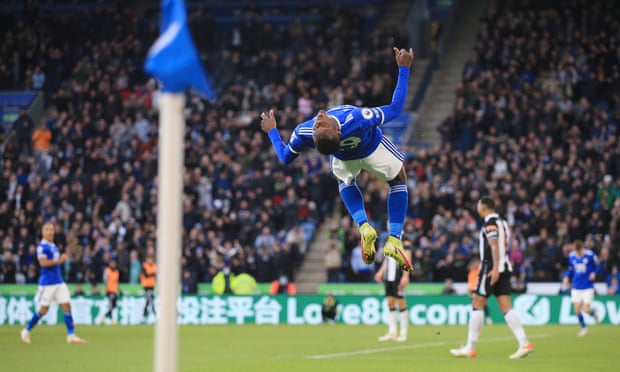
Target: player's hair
[
  {"x": 578, "y": 245},
  {"x": 488, "y": 202},
  {"x": 327, "y": 143}
]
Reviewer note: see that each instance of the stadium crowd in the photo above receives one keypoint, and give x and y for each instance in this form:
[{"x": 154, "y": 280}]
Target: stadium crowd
[
  {"x": 534, "y": 125},
  {"x": 90, "y": 165}
]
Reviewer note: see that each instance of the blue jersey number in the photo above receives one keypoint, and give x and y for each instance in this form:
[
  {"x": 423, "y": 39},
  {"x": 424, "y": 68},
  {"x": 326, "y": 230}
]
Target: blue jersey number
[{"x": 349, "y": 143}]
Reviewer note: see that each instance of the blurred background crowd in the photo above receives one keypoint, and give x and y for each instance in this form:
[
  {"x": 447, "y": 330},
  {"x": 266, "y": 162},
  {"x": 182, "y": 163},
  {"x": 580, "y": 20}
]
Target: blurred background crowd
[{"x": 534, "y": 126}]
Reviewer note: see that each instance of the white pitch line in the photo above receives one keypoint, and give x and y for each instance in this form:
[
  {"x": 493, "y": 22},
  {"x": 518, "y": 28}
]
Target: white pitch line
[{"x": 406, "y": 347}]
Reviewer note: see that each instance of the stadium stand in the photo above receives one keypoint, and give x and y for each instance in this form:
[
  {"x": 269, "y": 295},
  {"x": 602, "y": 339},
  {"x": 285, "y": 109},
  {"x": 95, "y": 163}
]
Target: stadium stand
[
  {"x": 93, "y": 168},
  {"x": 535, "y": 125}
]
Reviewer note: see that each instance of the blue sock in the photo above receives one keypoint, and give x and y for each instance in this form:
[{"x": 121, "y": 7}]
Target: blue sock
[
  {"x": 33, "y": 321},
  {"x": 397, "y": 202},
  {"x": 581, "y": 321},
  {"x": 69, "y": 323},
  {"x": 592, "y": 312},
  {"x": 354, "y": 201}
]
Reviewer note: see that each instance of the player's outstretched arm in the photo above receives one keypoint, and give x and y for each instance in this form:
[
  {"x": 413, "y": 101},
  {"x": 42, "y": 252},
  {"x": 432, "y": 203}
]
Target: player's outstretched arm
[
  {"x": 269, "y": 126},
  {"x": 404, "y": 60}
]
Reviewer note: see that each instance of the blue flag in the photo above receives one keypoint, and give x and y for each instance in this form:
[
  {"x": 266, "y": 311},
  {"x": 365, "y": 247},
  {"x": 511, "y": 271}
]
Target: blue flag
[{"x": 173, "y": 58}]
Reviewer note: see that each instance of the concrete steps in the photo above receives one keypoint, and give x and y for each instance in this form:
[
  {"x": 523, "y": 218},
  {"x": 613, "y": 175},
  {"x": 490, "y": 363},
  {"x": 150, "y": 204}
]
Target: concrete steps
[
  {"x": 313, "y": 271},
  {"x": 440, "y": 97}
]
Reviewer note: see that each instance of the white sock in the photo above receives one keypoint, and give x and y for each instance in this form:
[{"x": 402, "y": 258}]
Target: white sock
[
  {"x": 476, "y": 320},
  {"x": 393, "y": 320},
  {"x": 512, "y": 319},
  {"x": 404, "y": 322}
]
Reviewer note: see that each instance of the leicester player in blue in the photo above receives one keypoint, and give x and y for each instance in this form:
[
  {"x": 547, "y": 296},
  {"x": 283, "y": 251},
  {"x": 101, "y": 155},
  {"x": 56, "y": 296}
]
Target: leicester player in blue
[
  {"x": 583, "y": 266},
  {"x": 352, "y": 137},
  {"x": 52, "y": 287}
]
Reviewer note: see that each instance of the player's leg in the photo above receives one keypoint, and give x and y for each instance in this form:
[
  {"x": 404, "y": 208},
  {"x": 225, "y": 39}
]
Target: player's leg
[
  {"x": 515, "y": 325},
  {"x": 580, "y": 318},
  {"x": 577, "y": 299},
  {"x": 148, "y": 294},
  {"x": 476, "y": 321},
  {"x": 588, "y": 298},
  {"x": 63, "y": 297},
  {"x": 108, "y": 314},
  {"x": 114, "y": 301},
  {"x": 512, "y": 319},
  {"x": 44, "y": 298},
  {"x": 397, "y": 202},
  {"x": 353, "y": 200},
  {"x": 152, "y": 301},
  {"x": 386, "y": 162},
  {"x": 487, "y": 314},
  {"x": 392, "y": 319},
  {"x": 501, "y": 290},
  {"x": 476, "y": 318},
  {"x": 404, "y": 318}
]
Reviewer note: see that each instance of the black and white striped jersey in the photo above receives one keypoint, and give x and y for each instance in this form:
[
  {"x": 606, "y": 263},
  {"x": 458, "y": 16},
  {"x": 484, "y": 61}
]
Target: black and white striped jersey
[
  {"x": 392, "y": 272},
  {"x": 495, "y": 228}
]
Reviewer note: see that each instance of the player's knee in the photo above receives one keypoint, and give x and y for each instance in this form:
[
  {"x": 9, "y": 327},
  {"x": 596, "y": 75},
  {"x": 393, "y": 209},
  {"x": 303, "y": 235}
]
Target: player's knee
[{"x": 399, "y": 179}]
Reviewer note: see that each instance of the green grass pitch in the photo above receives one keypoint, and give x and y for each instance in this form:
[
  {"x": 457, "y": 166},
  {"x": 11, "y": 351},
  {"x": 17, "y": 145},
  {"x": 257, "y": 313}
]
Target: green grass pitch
[{"x": 310, "y": 348}]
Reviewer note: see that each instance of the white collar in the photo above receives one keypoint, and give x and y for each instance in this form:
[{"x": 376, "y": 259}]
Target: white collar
[{"x": 489, "y": 216}]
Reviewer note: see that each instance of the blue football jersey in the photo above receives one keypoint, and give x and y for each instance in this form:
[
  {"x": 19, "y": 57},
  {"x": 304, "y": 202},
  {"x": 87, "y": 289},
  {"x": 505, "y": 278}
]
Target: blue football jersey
[
  {"x": 49, "y": 275},
  {"x": 360, "y": 136},
  {"x": 580, "y": 268}
]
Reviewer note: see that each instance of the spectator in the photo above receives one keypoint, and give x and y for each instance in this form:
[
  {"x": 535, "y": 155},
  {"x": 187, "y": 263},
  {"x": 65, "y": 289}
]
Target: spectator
[
  {"x": 24, "y": 127},
  {"x": 135, "y": 267},
  {"x": 283, "y": 285},
  {"x": 547, "y": 114},
  {"x": 333, "y": 260},
  {"x": 189, "y": 284},
  {"x": 9, "y": 268},
  {"x": 448, "y": 288},
  {"x": 329, "y": 309},
  {"x": 42, "y": 138},
  {"x": 38, "y": 78}
]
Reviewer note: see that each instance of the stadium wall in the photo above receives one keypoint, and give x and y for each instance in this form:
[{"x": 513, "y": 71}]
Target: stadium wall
[
  {"x": 306, "y": 310},
  {"x": 355, "y": 289}
]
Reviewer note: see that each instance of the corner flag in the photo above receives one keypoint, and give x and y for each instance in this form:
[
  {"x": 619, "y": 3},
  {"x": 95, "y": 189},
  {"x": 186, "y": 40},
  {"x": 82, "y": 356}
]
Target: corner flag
[{"x": 173, "y": 58}]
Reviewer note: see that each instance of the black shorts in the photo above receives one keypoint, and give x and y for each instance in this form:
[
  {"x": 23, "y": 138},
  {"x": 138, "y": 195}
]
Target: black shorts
[
  {"x": 501, "y": 287},
  {"x": 391, "y": 290}
]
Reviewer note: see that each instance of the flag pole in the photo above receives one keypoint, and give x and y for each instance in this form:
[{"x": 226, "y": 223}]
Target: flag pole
[
  {"x": 174, "y": 61},
  {"x": 169, "y": 217}
]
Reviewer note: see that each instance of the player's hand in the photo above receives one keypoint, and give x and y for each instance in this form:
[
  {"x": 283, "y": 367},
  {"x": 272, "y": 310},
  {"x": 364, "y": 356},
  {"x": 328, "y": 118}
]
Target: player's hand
[
  {"x": 403, "y": 282},
  {"x": 592, "y": 277},
  {"x": 378, "y": 277},
  {"x": 268, "y": 121},
  {"x": 403, "y": 57},
  {"x": 494, "y": 275},
  {"x": 62, "y": 258}
]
